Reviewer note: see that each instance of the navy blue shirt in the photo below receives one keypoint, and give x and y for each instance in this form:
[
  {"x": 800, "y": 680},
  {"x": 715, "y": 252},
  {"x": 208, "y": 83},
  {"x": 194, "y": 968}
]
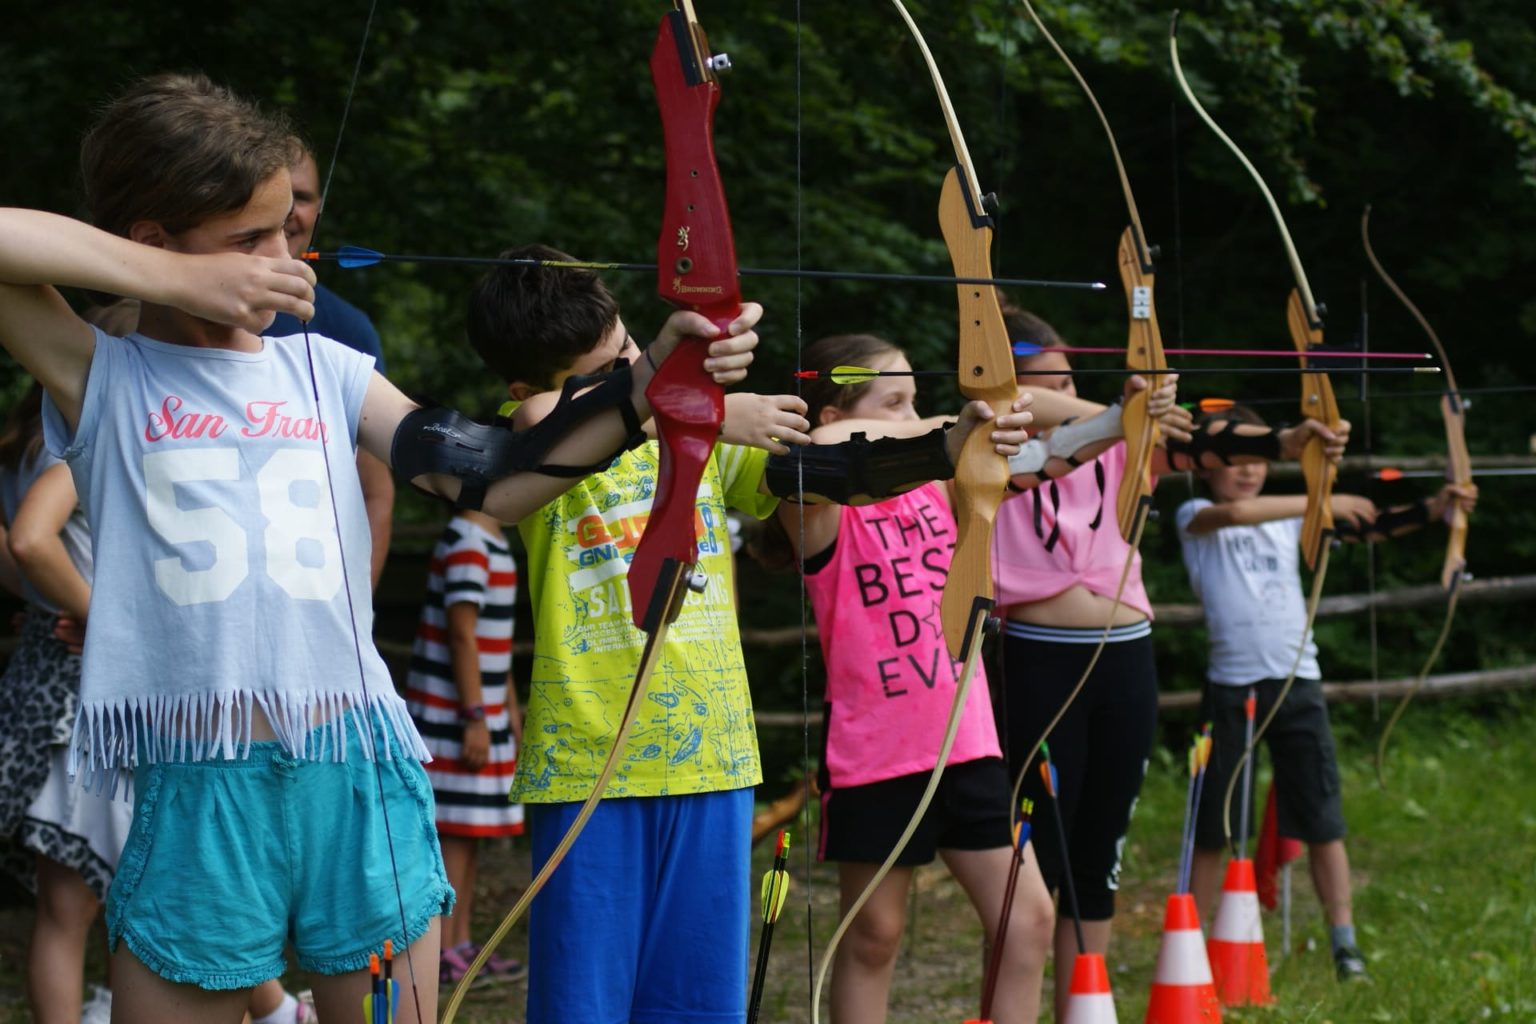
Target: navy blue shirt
[{"x": 336, "y": 318}]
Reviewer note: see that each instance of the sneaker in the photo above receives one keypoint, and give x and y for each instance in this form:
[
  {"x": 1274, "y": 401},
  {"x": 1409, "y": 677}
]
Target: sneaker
[
  {"x": 500, "y": 968},
  {"x": 306, "y": 1013},
  {"x": 98, "y": 1008},
  {"x": 1349, "y": 963},
  {"x": 453, "y": 964},
  {"x": 496, "y": 967}
]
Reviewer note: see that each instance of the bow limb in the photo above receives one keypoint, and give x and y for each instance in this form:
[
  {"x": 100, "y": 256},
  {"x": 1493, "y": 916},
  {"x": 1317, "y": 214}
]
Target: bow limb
[
  {"x": 1458, "y": 470},
  {"x": 1144, "y": 345},
  {"x": 985, "y": 367},
  {"x": 1133, "y": 502},
  {"x": 1305, "y": 322}
]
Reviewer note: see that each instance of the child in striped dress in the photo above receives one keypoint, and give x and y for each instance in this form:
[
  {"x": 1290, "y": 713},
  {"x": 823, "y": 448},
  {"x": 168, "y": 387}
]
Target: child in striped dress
[{"x": 460, "y": 696}]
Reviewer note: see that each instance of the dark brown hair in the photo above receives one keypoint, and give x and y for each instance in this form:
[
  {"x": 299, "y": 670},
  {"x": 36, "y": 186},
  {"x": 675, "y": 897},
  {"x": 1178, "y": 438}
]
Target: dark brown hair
[
  {"x": 531, "y": 323},
  {"x": 176, "y": 150}
]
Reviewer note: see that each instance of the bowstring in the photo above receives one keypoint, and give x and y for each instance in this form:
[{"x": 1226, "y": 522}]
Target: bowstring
[
  {"x": 805, "y": 647},
  {"x": 374, "y": 747}
]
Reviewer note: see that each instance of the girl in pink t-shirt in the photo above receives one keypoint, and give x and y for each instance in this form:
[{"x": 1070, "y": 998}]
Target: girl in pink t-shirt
[{"x": 874, "y": 574}]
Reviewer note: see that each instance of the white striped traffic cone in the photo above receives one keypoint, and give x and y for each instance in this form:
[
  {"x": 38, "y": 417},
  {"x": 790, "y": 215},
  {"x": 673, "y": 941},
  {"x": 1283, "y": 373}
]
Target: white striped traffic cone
[
  {"x": 1236, "y": 949},
  {"x": 1090, "y": 1001},
  {"x": 1182, "y": 992}
]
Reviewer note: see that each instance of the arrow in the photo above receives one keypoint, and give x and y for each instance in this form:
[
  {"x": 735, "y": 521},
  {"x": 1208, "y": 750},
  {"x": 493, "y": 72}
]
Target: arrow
[
  {"x": 353, "y": 257},
  {"x": 1029, "y": 348}
]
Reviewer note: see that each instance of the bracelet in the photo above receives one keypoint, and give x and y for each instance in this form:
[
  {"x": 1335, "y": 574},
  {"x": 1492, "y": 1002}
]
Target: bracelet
[
  {"x": 651, "y": 359},
  {"x": 471, "y": 713}
]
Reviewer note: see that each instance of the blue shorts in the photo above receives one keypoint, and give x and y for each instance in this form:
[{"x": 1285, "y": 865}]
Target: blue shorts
[
  {"x": 646, "y": 919},
  {"x": 229, "y": 860}
]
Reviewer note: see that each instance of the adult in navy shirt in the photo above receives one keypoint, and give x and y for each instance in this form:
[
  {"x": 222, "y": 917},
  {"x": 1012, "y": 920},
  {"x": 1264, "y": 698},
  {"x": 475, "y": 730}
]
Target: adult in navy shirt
[{"x": 337, "y": 318}]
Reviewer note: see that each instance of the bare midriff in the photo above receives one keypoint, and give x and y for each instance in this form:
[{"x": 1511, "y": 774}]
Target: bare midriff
[{"x": 1077, "y": 607}]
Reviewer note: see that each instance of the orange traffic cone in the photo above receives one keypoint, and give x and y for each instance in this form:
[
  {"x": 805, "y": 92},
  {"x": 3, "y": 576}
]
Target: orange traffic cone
[
  {"x": 1182, "y": 992},
  {"x": 1237, "y": 941},
  {"x": 1090, "y": 1001}
]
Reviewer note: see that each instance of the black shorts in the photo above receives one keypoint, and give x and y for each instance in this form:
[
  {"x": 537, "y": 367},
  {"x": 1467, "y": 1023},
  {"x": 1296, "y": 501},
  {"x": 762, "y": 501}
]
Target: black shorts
[
  {"x": 860, "y": 824},
  {"x": 1307, "y": 801}
]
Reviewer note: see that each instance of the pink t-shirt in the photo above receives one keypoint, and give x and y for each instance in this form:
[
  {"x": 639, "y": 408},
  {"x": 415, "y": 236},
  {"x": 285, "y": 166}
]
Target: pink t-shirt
[
  {"x": 890, "y": 679},
  {"x": 1062, "y": 533}
]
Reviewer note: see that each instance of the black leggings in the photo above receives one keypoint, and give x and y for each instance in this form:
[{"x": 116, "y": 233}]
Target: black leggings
[{"x": 1100, "y": 750}]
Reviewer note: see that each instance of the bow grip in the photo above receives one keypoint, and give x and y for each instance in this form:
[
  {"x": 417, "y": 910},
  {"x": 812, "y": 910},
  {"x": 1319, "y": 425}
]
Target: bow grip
[
  {"x": 1143, "y": 354},
  {"x": 687, "y": 406},
  {"x": 1318, "y": 403}
]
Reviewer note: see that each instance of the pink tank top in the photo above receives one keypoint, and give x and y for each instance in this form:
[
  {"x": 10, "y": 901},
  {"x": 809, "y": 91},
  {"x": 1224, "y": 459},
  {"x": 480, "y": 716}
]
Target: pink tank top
[
  {"x": 1063, "y": 533},
  {"x": 890, "y": 679}
]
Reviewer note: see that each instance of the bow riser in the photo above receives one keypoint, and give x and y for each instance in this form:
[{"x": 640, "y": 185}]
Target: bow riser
[
  {"x": 688, "y": 406},
  {"x": 1143, "y": 353},
  {"x": 986, "y": 373},
  {"x": 1318, "y": 403},
  {"x": 1458, "y": 471}
]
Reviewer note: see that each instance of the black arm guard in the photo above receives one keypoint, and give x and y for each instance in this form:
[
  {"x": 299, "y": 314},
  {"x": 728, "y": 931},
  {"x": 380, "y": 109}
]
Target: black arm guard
[
  {"x": 1224, "y": 444},
  {"x": 1388, "y": 524},
  {"x": 439, "y": 440},
  {"x": 859, "y": 471}
]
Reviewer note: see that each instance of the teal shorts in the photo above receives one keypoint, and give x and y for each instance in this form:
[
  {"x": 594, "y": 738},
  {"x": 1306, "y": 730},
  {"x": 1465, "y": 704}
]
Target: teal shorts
[{"x": 228, "y": 861}]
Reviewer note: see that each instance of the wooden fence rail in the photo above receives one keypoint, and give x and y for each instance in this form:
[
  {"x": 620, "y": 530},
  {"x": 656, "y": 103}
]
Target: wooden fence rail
[{"x": 1452, "y": 684}]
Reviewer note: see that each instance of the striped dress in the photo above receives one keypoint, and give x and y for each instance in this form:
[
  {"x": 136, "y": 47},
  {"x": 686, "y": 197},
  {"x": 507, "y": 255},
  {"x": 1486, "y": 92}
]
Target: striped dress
[{"x": 472, "y": 565}]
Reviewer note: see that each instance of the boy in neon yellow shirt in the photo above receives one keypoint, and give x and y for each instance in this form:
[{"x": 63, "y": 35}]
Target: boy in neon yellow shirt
[{"x": 646, "y": 919}]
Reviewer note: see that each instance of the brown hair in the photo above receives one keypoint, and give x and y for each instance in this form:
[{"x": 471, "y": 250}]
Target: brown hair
[
  {"x": 21, "y": 438},
  {"x": 531, "y": 323},
  {"x": 1024, "y": 326},
  {"x": 176, "y": 150},
  {"x": 771, "y": 546},
  {"x": 840, "y": 350},
  {"x": 1232, "y": 414}
]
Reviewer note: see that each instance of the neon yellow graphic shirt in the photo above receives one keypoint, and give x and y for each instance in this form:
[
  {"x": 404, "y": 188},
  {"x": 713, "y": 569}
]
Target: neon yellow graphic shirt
[{"x": 694, "y": 732}]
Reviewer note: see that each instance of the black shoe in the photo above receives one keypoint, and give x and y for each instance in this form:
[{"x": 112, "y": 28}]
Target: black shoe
[{"x": 1349, "y": 963}]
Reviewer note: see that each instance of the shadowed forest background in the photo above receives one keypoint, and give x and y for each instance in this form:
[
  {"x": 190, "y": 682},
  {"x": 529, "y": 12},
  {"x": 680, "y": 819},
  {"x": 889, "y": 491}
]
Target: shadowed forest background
[{"x": 475, "y": 126}]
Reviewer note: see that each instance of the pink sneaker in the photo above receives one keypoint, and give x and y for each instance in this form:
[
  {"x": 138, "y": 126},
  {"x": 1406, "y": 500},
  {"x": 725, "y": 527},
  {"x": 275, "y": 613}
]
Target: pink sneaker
[{"x": 497, "y": 968}]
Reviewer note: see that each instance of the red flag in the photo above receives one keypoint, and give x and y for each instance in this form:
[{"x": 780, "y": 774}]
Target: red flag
[{"x": 1273, "y": 852}]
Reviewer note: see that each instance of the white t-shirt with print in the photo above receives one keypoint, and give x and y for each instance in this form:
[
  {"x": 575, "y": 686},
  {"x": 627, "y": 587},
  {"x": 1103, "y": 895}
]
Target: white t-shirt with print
[{"x": 1249, "y": 579}]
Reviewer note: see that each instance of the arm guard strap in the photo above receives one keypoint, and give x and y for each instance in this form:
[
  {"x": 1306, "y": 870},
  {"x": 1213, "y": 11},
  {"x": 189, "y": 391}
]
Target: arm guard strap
[
  {"x": 440, "y": 440},
  {"x": 1063, "y": 443},
  {"x": 1388, "y": 523},
  {"x": 1224, "y": 444},
  {"x": 859, "y": 471}
]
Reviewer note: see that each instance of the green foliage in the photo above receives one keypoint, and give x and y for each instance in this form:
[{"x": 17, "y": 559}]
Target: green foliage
[{"x": 475, "y": 126}]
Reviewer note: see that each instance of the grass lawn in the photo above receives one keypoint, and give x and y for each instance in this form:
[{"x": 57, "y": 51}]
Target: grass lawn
[{"x": 1445, "y": 896}]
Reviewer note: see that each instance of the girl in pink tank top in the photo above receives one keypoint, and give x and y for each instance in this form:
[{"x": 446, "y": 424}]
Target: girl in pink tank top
[
  {"x": 1058, "y": 559},
  {"x": 874, "y": 575}
]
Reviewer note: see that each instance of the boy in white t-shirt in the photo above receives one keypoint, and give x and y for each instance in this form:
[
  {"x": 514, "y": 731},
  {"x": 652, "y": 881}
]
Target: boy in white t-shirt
[{"x": 1241, "y": 551}]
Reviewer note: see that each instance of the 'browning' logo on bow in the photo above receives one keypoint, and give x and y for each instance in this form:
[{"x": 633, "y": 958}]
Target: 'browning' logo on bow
[
  {"x": 680, "y": 288},
  {"x": 682, "y": 238}
]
